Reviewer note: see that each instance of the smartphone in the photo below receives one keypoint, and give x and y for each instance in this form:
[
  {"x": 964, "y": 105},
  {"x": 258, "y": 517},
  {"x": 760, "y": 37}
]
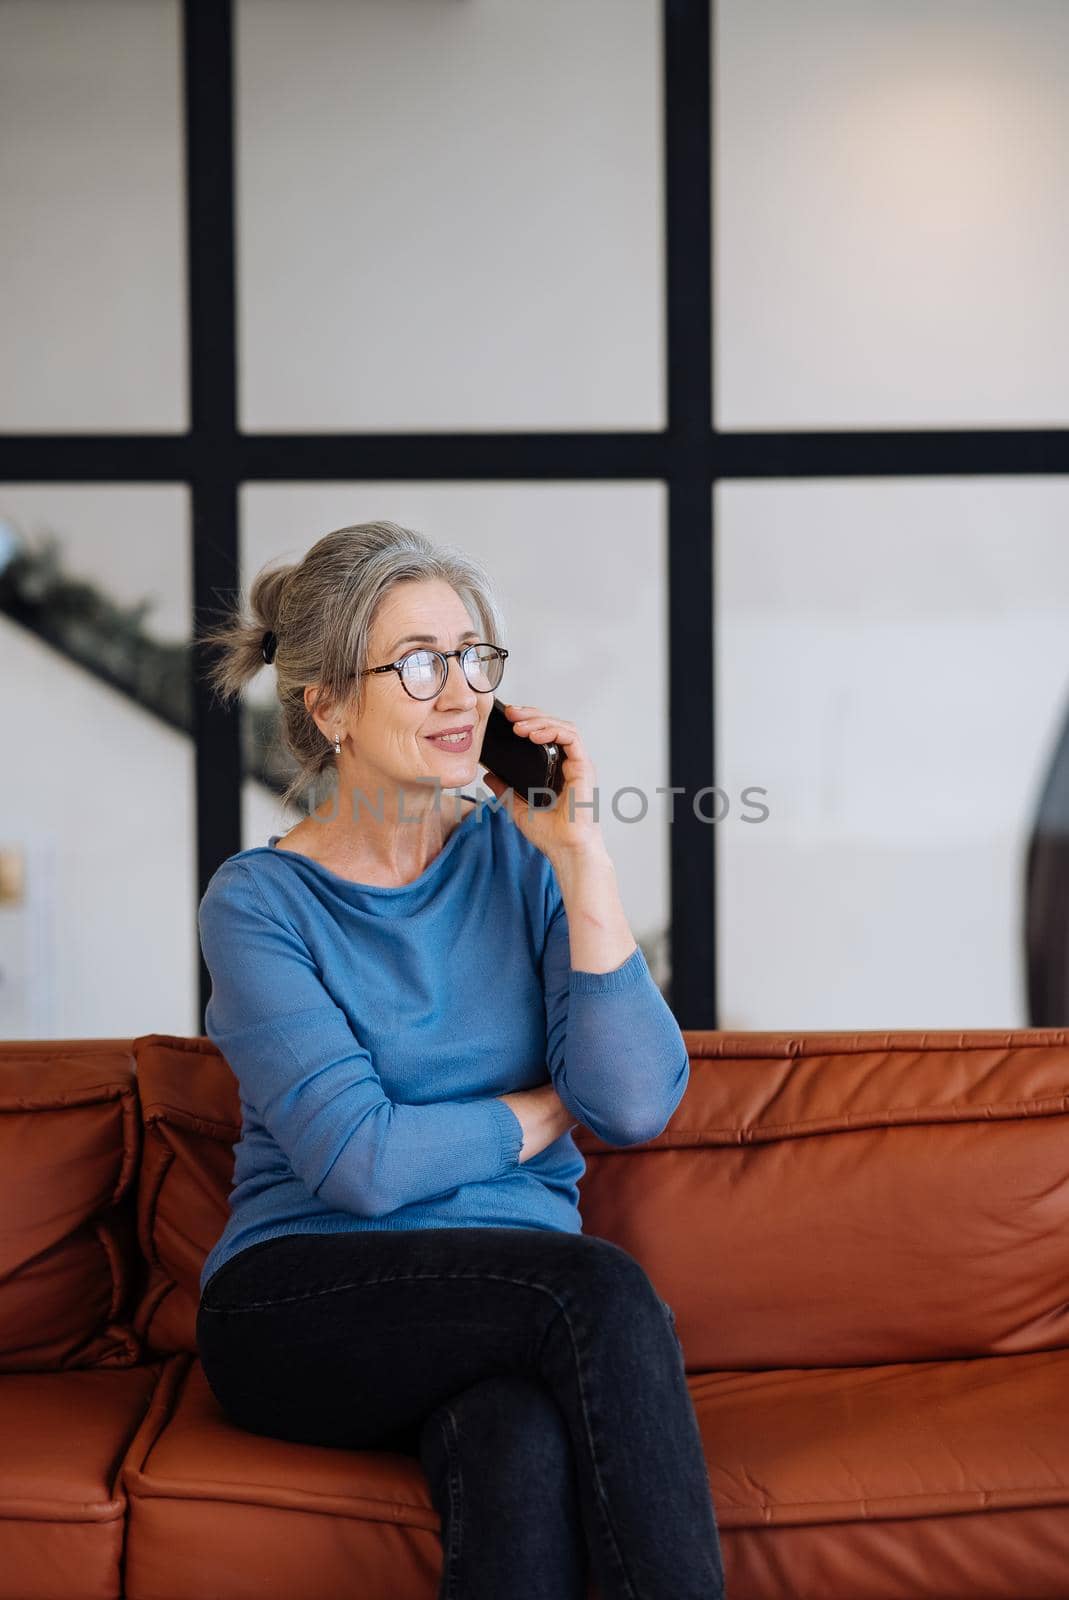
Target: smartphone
[{"x": 529, "y": 769}]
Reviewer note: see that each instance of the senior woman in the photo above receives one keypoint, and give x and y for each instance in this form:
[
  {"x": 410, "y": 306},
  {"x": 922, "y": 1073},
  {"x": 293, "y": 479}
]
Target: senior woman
[{"x": 418, "y": 1007}]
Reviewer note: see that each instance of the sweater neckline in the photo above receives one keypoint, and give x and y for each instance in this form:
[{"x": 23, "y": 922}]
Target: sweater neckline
[{"x": 473, "y": 817}]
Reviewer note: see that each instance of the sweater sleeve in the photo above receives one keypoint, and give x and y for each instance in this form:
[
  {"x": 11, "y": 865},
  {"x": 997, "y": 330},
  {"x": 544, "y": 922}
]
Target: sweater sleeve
[
  {"x": 312, "y": 1082},
  {"x": 616, "y": 1055}
]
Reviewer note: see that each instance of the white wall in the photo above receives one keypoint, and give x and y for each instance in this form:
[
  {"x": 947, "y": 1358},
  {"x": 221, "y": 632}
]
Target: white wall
[
  {"x": 892, "y": 228},
  {"x": 451, "y": 214},
  {"x": 97, "y": 800},
  {"x": 96, "y": 794},
  {"x": 893, "y": 669},
  {"x": 92, "y": 269}
]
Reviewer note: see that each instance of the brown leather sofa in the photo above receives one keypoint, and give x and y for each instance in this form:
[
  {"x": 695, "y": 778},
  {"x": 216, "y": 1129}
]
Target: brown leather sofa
[{"x": 864, "y": 1238}]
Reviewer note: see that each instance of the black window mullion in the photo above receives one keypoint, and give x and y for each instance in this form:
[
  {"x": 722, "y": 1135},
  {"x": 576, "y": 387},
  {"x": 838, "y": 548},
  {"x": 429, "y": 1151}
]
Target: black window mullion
[
  {"x": 688, "y": 216},
  {"x": 209, "y": 140},
  {"x": 892, "y": 453}
]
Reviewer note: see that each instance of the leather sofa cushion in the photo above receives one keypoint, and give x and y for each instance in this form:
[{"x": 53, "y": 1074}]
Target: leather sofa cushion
[
  {"x": 955, "y": 1467},
  {"x": 63, "y": 1436},
  {"x": 191, "y": 1117},
  {"x": 265, "y": 1516},
  {"x": 70, "y": 1138},
  {"x": 805, "y": 1166},
  {"x": 844, "y": 1199}
]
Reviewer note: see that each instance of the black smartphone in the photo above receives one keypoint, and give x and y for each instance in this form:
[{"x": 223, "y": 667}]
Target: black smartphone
[{"x": 529, "y": 769}]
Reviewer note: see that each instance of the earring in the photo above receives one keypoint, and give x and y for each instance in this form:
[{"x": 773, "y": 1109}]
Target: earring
[{"x": 337, "y": 745}]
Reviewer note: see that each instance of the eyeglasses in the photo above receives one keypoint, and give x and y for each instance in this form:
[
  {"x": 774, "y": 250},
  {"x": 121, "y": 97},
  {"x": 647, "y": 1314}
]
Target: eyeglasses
[{"x": 423, "y": 673}]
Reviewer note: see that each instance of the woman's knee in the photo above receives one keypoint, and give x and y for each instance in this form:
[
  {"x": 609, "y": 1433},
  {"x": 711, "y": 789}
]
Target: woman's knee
[
  {"x": 611, "y": 1283},
  {"x": 508, "y": 1425}
]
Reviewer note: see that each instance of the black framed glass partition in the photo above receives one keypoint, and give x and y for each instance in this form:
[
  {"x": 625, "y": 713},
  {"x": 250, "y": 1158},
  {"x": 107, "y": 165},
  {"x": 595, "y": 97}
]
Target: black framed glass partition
[{"x": 815, "y": 216}]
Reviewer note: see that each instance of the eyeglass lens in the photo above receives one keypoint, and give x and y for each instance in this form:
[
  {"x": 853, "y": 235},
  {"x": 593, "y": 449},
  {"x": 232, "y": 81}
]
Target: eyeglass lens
[{"x": 424, "y": 672}]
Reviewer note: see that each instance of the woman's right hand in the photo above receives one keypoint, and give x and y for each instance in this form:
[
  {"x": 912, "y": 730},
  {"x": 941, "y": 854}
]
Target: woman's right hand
[{"x": 542, "y": 1115}]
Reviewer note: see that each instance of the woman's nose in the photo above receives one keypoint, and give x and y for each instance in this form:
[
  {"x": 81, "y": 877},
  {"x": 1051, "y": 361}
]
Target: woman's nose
[{"x": 468, "y": 698}]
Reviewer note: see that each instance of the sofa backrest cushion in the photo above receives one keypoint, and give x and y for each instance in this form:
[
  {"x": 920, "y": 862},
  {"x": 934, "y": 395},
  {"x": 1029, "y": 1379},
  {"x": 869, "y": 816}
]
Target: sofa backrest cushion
[
  {"x": 70, "y": 1136},
  {"x": 854, "y": 1198},
  {"x": 191, "y": 1116},
  {"x": 815, "y": 1200}
]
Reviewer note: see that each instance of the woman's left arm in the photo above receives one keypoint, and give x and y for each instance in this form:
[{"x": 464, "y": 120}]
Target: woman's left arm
[
  {"x": 598, "y": 929},
  {"x": 615, "y": 1053}
]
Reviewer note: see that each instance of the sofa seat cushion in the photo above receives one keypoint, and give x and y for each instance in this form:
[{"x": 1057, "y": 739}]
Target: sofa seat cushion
[
  {"x": 63, "y": 1437},
  {"x": 930, "y": 1479},
  {"x": 217, "y": 1510},
  {"x": 927, "y": 1479}
]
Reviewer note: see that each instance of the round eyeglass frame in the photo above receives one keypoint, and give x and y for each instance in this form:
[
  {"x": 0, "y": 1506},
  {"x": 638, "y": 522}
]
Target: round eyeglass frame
[{"x": 444, "y": 656}]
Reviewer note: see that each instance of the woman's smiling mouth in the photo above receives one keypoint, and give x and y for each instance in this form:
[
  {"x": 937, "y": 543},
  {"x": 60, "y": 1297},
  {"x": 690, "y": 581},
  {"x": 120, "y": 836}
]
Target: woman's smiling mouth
[{"x": 459, "y": 740}]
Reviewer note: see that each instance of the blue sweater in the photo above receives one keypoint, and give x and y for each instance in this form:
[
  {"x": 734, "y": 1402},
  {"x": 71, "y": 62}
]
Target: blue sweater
[{"x": 370, "y": 1030}]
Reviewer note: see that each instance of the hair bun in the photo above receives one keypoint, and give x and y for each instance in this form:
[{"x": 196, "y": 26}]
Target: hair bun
[{"x": 269, "y": 646}]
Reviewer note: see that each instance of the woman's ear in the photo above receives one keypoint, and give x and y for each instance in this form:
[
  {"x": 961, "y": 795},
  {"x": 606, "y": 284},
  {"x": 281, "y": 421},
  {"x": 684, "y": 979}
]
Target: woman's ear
[{"x": 317, "y": 708}]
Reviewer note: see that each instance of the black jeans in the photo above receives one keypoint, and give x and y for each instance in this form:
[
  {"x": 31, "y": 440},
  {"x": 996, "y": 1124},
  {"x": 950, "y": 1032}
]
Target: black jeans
[{"x": 536, "y": 1374}]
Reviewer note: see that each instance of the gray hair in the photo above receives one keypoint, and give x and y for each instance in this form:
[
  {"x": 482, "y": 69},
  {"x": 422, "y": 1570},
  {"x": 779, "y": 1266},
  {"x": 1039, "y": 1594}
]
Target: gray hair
[{"x": 322, "y": 609}]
